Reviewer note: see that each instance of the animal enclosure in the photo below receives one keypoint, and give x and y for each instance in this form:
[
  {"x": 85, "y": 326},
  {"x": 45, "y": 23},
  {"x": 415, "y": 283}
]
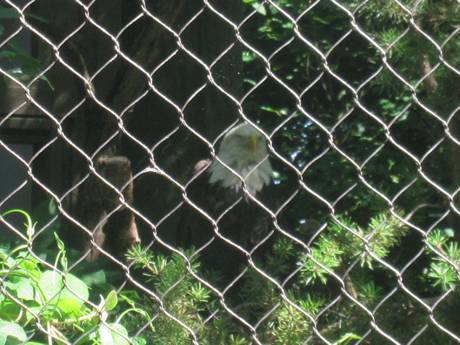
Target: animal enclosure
[{"x": 229, "y": 172}]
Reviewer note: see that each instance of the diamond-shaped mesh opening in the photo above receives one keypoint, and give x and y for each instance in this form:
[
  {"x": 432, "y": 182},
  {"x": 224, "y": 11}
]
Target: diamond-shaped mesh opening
[
  {"x": 396, "y": 176},
  {"x": 329, "y": 99},
  {"x": 353, "y": 136},
  {"x": 298, "y": 71},
  {"x": 270, "y": 113},
  {"x": 312, "y": 21},
  {"x": 397, "y": 98},
  {"x": 445, "y": 151},
  {"x": 304, "y": 148},
  {"x": 412, "y": 67},
  {"x": 420, "y": 143},
  {"x": 324, "y": 165},
  {"x": 435, "y": 94},
  {"x": 215, "y": 45},
  {"x": 345, "y": 60}
]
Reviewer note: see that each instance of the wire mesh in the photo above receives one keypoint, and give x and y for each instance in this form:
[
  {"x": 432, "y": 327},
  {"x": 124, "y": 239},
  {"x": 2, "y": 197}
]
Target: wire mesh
[{"x": 263, "y": 192}]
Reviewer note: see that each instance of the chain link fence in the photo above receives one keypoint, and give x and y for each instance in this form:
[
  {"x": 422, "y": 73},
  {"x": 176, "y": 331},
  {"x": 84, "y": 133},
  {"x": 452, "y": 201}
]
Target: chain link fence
[{"x": 229, "y": 172}]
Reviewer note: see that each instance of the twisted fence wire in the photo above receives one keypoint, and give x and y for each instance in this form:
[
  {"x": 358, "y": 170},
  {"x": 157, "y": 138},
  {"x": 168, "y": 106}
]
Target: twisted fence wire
[{"x": 299, "y": 172}]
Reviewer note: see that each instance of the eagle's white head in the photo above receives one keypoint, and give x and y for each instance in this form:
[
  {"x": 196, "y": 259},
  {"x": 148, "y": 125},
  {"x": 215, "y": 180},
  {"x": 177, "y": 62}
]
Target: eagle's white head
[{"x": 242, "y": 149}]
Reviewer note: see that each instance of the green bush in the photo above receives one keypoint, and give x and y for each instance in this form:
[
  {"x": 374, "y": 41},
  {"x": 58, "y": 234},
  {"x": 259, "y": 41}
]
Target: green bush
[{"x": 169, "y": 305}]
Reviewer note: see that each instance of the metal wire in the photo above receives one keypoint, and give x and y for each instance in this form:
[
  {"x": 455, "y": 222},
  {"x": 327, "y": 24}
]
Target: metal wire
[{"x": 299, "y": 173}]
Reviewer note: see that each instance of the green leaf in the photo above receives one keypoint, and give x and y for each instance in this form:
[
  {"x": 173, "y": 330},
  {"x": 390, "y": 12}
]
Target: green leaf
[
  {"x": 94, "y": 278},
  {"x": 248, "y": 56},
  {"x": 288, "y": 25},
  {"x": 25, "y": 290},
  {"x": 11, "y": 329},
  {"x": 111, "y": 300},
  {"x": 260, "y": 8},
  {"x": 347, "y": 338},
  {"x": 139, "y": 341},
  {"x": 111, "y": 336},
  {"x": 29, "y": 266},
  {"x": 320, "y": 20},
  {"x": 9, "y": 310},
  {"x": 279, "y": 112},
  {"x": 52, "y": 285}
]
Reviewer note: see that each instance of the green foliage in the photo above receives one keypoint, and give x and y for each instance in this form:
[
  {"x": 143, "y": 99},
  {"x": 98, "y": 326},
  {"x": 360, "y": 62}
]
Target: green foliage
[
  {"x": 182, "y": 297},
  {"x": 173, "y": 306},
  {"x": 288, "y": 326},
  {"x": 345, "y": 241},
  {"x": 359, "y": 246},
  {"x": 36, "y": 294},
  {"x": 444, "y": 267}
]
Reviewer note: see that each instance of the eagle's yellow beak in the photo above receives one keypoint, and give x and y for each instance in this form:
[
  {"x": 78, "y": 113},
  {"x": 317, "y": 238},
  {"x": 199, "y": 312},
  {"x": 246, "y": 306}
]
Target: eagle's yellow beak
[{"x": 252, "y": 143}]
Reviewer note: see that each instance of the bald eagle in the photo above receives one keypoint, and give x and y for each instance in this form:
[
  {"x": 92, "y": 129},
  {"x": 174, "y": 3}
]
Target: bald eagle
[{"x": 244, "y": 149}]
